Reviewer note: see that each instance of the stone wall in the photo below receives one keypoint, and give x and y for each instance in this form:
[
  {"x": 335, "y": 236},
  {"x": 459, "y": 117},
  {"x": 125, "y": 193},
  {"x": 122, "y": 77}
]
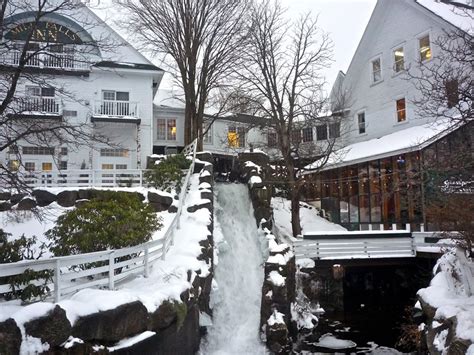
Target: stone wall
[{"x": 175, "y": 323}]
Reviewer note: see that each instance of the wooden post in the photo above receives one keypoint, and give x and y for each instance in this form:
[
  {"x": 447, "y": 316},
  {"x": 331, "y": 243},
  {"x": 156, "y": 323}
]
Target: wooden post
[
  {"x": 381, "y": 226},
  {"x": 146, "y": 263},
  {"x": 394, "y": 226},
  {"x": 422, "y": 227},
  {"x": 57, "y": 282},
  {"x": 111, "y": 270},
  {"x": 407, "y": 227},
  {"x": 370, "y": 226}
]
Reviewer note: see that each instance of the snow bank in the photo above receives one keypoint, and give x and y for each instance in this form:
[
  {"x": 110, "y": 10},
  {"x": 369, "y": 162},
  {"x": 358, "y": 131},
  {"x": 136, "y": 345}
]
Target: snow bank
[{"x": 331, "y": 342}]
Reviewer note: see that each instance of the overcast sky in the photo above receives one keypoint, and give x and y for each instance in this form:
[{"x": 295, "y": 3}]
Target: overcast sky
[{"x": 344, "y": 20}]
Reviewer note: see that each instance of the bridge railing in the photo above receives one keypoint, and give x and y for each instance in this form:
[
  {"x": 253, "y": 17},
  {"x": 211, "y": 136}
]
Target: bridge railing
[{"x": 103, "y": 268}]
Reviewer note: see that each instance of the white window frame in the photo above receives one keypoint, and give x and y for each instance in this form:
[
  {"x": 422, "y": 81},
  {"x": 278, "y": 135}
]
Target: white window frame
[
  {"x": 394, "y": 49},
  {"x": 418, "y": 47},
  {"x": 397, "y": 122},
  {"x": 166, "y": 135},
  {"x": 208, "y": 137},
  {"x": 371, "y": 66},
  {"x": 358, "y": 122}
]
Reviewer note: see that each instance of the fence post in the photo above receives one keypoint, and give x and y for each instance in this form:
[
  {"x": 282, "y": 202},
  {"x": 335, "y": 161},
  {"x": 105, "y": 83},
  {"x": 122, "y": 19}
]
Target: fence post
[
  {"x": 57, "y": 282},
  {"x": 141, "y": 177},
  {"x": 370, "y": 226},
  {"x": 394, "y": 226},
  {"x": 146, "y": 263},
  {"x": 317, "y": 250},
  {"x": 422, "y": 227},
  {"x": 163, "y": 252},
  {"x": 111, "y": 270},
  {"x": 407, "y": 227},
  {"x": 381, "y": 226},
  {"x": 92, "y": 178}
]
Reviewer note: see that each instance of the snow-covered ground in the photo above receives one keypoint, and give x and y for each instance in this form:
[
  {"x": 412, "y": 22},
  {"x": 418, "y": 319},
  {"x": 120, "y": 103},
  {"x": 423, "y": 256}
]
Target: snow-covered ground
[
  {"x": 168, "y": 277},
  {"x": 310, "y": 220},
  {"x": 239, "y": 276}
]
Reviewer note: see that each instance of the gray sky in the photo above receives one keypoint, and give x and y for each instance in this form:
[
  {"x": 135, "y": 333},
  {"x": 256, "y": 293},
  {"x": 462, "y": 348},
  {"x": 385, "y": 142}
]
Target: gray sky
[{"x": 344, "y": 20}]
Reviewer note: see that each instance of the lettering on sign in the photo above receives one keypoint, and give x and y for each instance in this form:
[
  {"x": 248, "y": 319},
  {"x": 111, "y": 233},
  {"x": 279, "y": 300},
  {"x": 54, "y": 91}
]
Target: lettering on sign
[{"x": 44, "y": 32}]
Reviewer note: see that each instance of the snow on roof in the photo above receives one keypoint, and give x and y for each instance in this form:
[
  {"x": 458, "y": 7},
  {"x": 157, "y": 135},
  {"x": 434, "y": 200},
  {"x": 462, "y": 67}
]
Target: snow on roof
[
  {"x": 456, "y": 15},
  {"x": 402, "y": 141}
]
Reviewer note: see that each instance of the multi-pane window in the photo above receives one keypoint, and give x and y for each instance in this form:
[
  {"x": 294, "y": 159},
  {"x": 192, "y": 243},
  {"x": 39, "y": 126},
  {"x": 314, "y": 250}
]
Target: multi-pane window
[
  {"x": 121, "y": 166},
  {"x": 361, "y": 122},
  {"x": 399, "y": 57},
  {"x": 63, "y": 165},
  {"x": 236, "y": 137},
  {"x": 425, "y": 48},
  {"x": 296, "y": 136},
  {"x": 63, "y": 151},
  {"x": 114, "y": 152},
  {"x": 111, "y": 95},
  {"x": 334, "y": 130},
  {"x": 36, "y": 91},
  {"x": 166, "y": 129},
  {"x": 207, "y": 130},
  {"x": 376, "y": 70},
  {"x": 401, "y": 110},
  {"x": 30, "y": 166},
  {"x": 14, "y": 165},
  {"x": 47, "y": 166},
  {"x": 272, "y": 139},
  {"x": 171, "y": 130},
  {"x": 38, "y": 150},
  {"x": 321, "y": 132},
  {"x": 107, "y": 166},
  {"x": 308, "y": 134}
]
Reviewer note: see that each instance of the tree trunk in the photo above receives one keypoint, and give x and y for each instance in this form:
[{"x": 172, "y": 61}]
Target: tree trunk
[
  {"x": 295, "y": 211},
  {"x": 188, "y": 114}
]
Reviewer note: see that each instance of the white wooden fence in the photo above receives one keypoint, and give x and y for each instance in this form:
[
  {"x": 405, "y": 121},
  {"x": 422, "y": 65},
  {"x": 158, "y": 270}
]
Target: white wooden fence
[
  {"x": 83, "y": 178},
  {"x": 104, "y": 268}
]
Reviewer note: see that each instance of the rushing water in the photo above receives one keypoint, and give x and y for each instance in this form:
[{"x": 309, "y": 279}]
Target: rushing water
[{"x": 239, "y": 276}]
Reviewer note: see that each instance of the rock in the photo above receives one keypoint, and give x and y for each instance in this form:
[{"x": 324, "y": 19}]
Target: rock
[
  {"x": 205, "y": 178},
  {"x": 5, "y": 195},
  {"x": 113, "y": 325},
  {"x": 44, "y": 198},
  {"x": 173, "y": 209},
  {"x": 5, "y": 206},
  {"x": 277, "y": 338},
  {"x": 163, "y": 316},
  {"x": 207, "y": 195},
  {"x": 202, "y": 204},
  {"x": 54, "y": 328},
  {"x": 26, "y": 204},
  {"x": 258, "y": 158},
  {"x": 459, "y": 346},
  {"x": 158, "y": 207},
  {"x": 67, "y": 198},
  {"x": 15, "y": 198},
  {"x": 10, "y": 337},
  {"x": 85, "y": 194},
  {"x": 205, "y": 156},
  {"x": 165, "y": 200}
]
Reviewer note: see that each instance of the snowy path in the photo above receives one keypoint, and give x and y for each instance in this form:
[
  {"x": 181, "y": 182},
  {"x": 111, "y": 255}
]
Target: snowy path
[{"x": 239, "y": 275}]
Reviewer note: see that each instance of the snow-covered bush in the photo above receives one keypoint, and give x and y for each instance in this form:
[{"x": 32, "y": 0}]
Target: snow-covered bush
[
  {"x": 23, "y": 248},
  {"x": 168, "y": 173},
  {"x": 113, "y": 220}
]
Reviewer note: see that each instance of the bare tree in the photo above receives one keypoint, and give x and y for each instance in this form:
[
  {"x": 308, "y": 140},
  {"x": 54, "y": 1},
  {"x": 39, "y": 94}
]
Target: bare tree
[
  {"x": 203, "y": 38},
  {"x": 33, "y": 52},
  {"x": 282, "y": 72}
]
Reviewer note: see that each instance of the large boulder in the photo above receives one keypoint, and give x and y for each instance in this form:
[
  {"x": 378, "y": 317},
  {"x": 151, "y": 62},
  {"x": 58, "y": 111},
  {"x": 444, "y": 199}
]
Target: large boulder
[
  {"x": 113, "y": 325},
  {"x": 54, "y": 328},
  {"x": 26, "y": 204},
  {"x": 67, "y": 198},
  {"x": 164, "y": 315},
  {"x": 15, "y": 198},
  {"x": 5, "y": 206},
  {"x": 10, "y": 337},
  {"x": 44, "y": 198},
  {"x": 203, "y": 203},
  {"x": 159, "y": 202}
]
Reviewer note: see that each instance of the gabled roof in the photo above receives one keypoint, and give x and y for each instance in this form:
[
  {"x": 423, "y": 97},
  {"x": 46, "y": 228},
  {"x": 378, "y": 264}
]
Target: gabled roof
[
  {"x": 457, "y": 13},
  {"x": 126, "y": 65}
]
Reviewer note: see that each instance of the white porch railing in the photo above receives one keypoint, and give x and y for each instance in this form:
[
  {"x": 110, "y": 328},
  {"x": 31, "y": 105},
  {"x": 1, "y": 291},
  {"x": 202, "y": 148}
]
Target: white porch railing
[
  {"x": 68, "y": 61},
  {"x": 116, "y": 108},
  {"x": 39, "y": 104},
  {"x": 84, "y": 178},
  {"x": 113, "y": 266}
]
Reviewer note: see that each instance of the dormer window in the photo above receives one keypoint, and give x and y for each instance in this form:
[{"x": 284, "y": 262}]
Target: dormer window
[
  {"x": 376, "y": 70},
  {"x": 425, "y": 48}
]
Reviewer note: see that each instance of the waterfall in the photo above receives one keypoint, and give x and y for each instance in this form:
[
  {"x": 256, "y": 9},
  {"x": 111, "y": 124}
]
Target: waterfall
[{"x": 239, "y": 276}]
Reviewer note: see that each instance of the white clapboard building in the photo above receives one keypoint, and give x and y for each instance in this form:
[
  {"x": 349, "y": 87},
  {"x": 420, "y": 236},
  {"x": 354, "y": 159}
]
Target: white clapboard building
[{"x": 87, "y": 74}]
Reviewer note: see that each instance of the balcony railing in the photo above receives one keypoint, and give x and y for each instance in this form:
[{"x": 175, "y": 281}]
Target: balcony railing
[
  {"x": 67, "y": 61},
  {"x": 116, "y": 108},
  {"x": 38, "y": 105}
]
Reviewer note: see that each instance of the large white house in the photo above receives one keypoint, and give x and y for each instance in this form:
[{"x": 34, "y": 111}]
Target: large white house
[
  {"x": 375, "y": 178},
  {"x": 87, "y": 74}
]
